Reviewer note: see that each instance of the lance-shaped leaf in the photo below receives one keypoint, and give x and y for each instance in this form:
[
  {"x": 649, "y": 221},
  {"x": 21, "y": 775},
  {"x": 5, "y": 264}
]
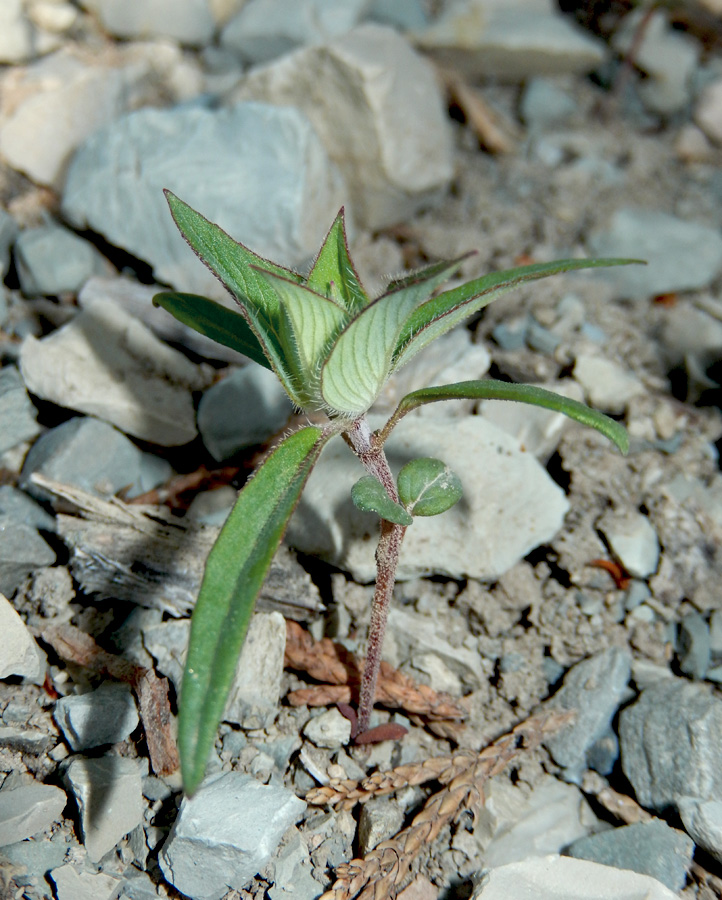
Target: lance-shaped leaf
[
  {"x": 238, "y": 269},
  {"x": 359, "y": 363},
  {"x": 428, "y": 487},
  {"x": 489, "y": 389},
  {"x": 234, "y": 574},
  {"x": 215, "y": 321},
  {"x": 309, "y": 322},
  {"x": 333, "y": 273},
  {"x": 369, "y": 495},
  {"x": 441, "y": 313}
]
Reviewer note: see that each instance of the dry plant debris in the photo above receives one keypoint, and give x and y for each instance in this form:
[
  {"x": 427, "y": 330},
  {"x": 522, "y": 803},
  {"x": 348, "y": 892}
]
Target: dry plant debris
[
  {"x": 385, "y": 870},
  {"x": 340, "y": 672}
]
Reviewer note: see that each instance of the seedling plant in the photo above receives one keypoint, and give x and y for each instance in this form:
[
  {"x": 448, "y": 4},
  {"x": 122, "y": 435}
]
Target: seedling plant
[{"x": 333, "y": 347}]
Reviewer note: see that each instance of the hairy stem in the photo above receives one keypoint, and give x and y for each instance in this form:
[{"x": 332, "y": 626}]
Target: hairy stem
[{"x": 373, "y": 459}]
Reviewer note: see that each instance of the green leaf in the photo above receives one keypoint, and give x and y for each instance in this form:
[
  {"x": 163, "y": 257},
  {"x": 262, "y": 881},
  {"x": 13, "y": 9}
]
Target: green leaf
[
  {"x": 309, "y": 323},
  {"x": 428, "y": 487},
  {"x": 333, "y": 273},
  {"x": 489, "y": 389},
  {"x": 238, "y": 268},
  {"x": 234, "y": 574},
  {"x": 359, "y": 363},
  {"x": 215, "y": 321},
  {"x": 443, "y": 312},
  {"x": 369, "y": 495}
]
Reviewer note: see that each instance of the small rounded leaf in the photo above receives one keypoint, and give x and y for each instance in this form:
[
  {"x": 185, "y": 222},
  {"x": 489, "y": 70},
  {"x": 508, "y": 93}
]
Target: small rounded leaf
[
  {"x": 428, "y": 487},
  {"x": 369, "y": 495}
]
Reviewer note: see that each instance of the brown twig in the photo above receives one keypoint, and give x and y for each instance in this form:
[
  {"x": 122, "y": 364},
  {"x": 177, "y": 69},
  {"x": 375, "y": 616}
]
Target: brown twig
[
  {"x": 384, "y": 870},
  {"x": 74, "y": 645},
  {"x": 341, "y": 671}
]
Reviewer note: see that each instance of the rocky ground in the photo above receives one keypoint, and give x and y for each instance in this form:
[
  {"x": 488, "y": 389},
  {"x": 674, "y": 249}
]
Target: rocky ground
[{"x": 569, "y": 578}]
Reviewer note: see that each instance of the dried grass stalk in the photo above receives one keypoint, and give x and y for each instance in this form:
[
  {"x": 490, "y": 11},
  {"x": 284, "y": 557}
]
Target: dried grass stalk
[
  {"x": 385, "y": 869},
  {"x": 341, "y": 673}
]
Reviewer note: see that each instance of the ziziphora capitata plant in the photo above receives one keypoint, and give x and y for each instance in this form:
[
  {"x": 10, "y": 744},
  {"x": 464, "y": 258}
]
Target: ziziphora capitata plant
[{"x": 333, "y": 347}]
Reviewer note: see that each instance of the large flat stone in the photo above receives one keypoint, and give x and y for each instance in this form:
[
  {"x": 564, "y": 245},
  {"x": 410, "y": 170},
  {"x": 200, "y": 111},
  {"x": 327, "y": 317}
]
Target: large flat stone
[
  {"x": 260, "y": 172},
  {"x": 369, "y": 82},
  {"x": 106, "y": 363},
  {"x": 225, "y": 834}
]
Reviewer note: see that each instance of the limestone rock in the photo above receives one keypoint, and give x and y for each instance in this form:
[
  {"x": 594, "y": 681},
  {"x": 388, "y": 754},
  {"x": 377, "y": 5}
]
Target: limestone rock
[
  {"x": 369, "y": 82},
  {"x": 225, "y": 833},
  {"x": 562, "y": 878},
  {"x": 185, "y": 21},
  {"x": 670, "y": 740},
  {"x": 104, "y": 362},
  {"x": 510, "y": 40},
  {"x": 680, "y": 255},
  {"x": 19, "y": 654},
  {"x": 27, "y": 810},
  {"x": 260, "y": 172},
  {"x": 265, "y": 29},
  {"x": 109, "y": 796}
]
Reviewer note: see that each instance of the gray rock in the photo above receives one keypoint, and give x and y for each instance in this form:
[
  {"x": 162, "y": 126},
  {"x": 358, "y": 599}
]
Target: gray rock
[
  {"x": 26, "y": 740},
  {"x": 19, "y": 654},
  {"x": 167, "y": 642},
  {"x": 693, "y": 646},
  {"x": 608, "y": 385},
  {"x": 106, "y": 363},
  {"x": 692, "y": 337},
  {"x": 650, "y": 848},
  {"x": 225, "y": 834},
  {"x": 254, "y": 698},
  {"x": 669, "y": 59},
  {"x": 16, "y": 36},
  {"x": 715, "y": 634},
  {"x": 708, "y": 111},
  {"x": 510, "y": 41},
  {"x": 22, "y": 550},
  {"x": 104, "y": 716},
  {"x": 266, "y": 179},
  {"x": 562, "y": 878},
  {"x": 36, "y": 858},
  {"x": 595, "y": 688},
  {"x": 510, "y": 504},
  {"x": 680, "y": 255},
  {"x": 109, "y": 797},
  {"x": 381, "y": 818},
  {"x": 703, "y": 821},
  {"x": 330, "y": 729},
  {"x": 17, "y": 508},
  {"x": 369, "y": 82},
  {"x": 265, "y": 29},
  {"x": 70, "y": 884},
  {"x": 186, "y": 21},
  {"x": 87, "y": 453},
  {"x": 670, "y": 740},
  {"x": 544, "y": 104},
  {"x": 18, "y": 420},
  {"x": 406, "y": 15},
  {"x": 136, "y": 299},
  {"x": 29, "y": 809},
  {"x": 633, "y": 541},
  {"x": 245, "y": 408},
  {"x": 514, "y": 825},
  {"x": 8, "y": 233},
  {"x": 212, "y": 507},
  {"x": 52, "y": 260},
  {"x": 292, "y": 871},
  {"x": 49, "y": 108}
]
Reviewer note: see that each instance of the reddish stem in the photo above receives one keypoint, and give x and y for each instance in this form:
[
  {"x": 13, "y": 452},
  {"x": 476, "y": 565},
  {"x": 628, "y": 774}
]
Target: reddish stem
[{"x": 373, "y": 459}]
